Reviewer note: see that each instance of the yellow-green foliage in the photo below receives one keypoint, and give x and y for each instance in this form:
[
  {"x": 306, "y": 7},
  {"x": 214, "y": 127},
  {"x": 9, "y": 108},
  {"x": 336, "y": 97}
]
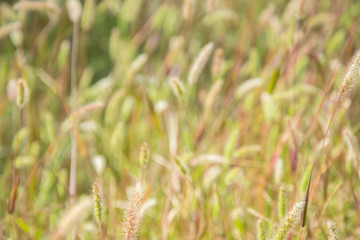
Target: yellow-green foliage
[{"x": 218, "y": 108}]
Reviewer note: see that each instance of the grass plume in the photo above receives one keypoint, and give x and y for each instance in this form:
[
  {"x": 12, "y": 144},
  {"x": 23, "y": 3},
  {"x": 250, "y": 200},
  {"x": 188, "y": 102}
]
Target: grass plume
[
  {"x": 132, "y": 217},
  {"x": 199, "y": 63},
  {"x": 289, "y": 221},
  {"x": 97, "y": 202},
  {"x": 177, "y": 86},
  {"x": 333, "y": 231},
  {"x": 351, "y": 74},
  {"x": 22, "y": 93},
  {"x": 260, "y": 229},
  {"x": 282, "y": 203}
]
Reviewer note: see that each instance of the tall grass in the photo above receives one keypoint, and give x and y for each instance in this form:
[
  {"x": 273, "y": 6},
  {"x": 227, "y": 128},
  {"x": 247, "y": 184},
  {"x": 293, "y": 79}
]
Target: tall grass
[{"x": 218, "y": 113}]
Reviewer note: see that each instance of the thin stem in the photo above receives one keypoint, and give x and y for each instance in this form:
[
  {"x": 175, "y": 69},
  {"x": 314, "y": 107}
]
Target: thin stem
[
  {"x": 73, "y": 163},
  {"x": 316, "y": 163},
  {"x": 300, "y": 233},
  {"x": 16, "y": 173},
  {"x": 332, "y": 78}
]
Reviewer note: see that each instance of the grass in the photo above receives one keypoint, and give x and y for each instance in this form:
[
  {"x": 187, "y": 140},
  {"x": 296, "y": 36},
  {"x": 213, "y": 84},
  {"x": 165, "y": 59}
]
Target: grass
[{"x": 213, "y": 119}]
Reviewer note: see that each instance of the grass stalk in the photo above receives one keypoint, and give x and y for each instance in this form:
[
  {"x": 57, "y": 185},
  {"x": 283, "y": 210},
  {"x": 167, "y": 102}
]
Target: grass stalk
[{"x": 74, "y": 154}]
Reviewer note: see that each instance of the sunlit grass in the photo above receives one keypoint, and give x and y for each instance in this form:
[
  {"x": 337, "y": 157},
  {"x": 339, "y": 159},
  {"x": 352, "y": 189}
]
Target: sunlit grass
[{"x": 214, "y": 113}]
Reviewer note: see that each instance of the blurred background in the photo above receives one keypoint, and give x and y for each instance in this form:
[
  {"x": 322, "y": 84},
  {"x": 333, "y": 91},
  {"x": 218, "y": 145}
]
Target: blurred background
[{"x": 232, "y": 97}]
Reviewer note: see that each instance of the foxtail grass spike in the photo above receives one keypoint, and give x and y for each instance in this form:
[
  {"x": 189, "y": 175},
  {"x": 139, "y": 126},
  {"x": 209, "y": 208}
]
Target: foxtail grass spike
[
  {"x": 74, "y": 9},
  {"x": 22, "y": 93},
  {"x": 144, "y": 153},
  {"x": 135, "y": 67},
  {"x": 97, "y": 202},
  {"x": 289, "y": 221},
  {"x": 300, "y": 8},
  {"x": 261, "y": 229},
  {"x": 333, "y": 231},
  {"x": 351, "y": 74},
  {"x": 132, "y": 216},
  {"x": 177, "y": 86},
  {"x": 282, "y": 203},
  {"x": 200, "y": 63}
]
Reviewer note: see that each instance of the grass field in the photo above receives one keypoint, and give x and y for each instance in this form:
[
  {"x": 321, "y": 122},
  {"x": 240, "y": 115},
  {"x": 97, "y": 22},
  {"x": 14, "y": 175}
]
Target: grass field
[{"x": 179, "y": 119}]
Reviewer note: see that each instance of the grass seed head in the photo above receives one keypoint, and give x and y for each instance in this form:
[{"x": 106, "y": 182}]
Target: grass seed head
[
  {"x": 351, "y": 74},
  {"x": 177, "y": 86},
  {"x": 74, "y": 9},
  {"x": 200, "y": 63},
  {"x": 97, "y": 202},
  {"x": 22, "y": 93},
  {"x": 333, "y": 231},
  {"x": 282, "y": 203},
  {"x": 300, "y": 8},
  {"x": 289, "y": 221},
  {"x": 261, "y": 229},
  {"x": 144, "y": 153},
  {"x": 132, "y": 216}
]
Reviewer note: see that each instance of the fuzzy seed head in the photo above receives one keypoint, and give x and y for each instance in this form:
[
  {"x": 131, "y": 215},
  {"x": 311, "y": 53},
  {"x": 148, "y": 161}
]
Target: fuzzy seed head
[
  {"x": 144, "y": 153},
  {"x": 177, "y": 86},
  {"x": 351, "y": 74},
  {"x": 333, "y": 231},
  {"x": 22, "y": 93},
  {"x": 300, "y": 8},
  {"x": 139, "y": 62},
  {"x": 132, "y": 216},
  {"x": 261, "y": 229},
  {"x": 74, "y": 9},
  {"x": 279, "y": 170},
  {"x": 16, "y": 37},
  {"x": 136, "y": 66},
  {"x": 282, "y": 203},
  {"x": 200, "y": 63},
  {"x": 97, "y": 202},
  {"x": 289, "y": 221}
]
